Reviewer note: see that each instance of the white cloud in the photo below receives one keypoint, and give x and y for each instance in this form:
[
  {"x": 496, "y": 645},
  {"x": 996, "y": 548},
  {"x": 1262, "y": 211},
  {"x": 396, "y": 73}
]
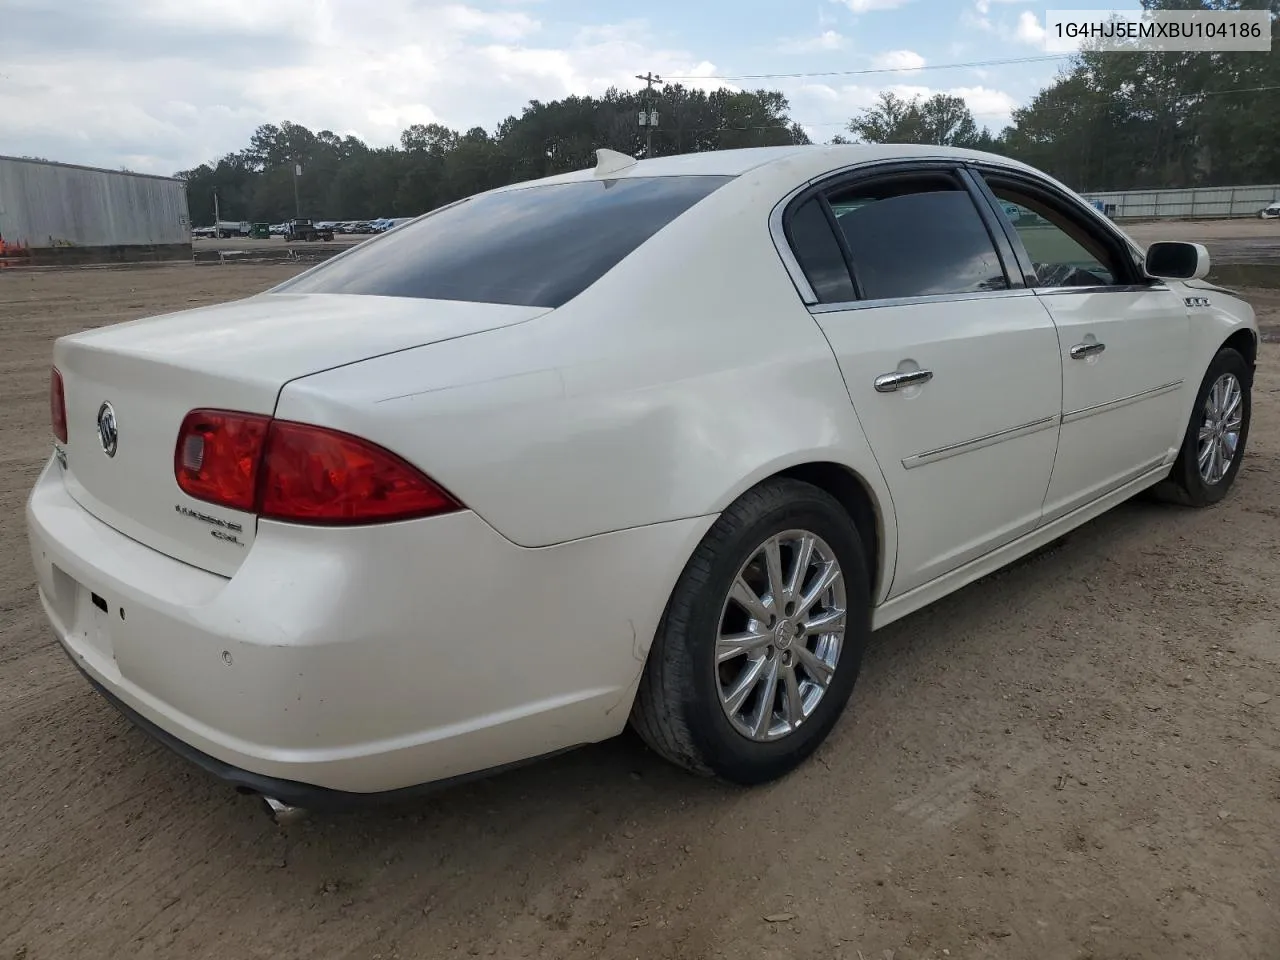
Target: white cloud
[
  {"x": 866, "y": 6},
  {"x": 905, "y": 60},
  {"x": 977, "y": 21},
  {"x": 506, "y": 26},
  {"x": 984, "y": 6},
  {"x": 824, "y": 106},
  {"x": 986, "y": 104},
  {"x": 825, "y": 41},
  {"x": 201, "y": 75},
  {"x": 1030, "y": 30}
]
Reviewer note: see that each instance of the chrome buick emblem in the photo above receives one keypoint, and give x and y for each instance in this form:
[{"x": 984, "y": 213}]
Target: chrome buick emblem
[{"x": 108, "y": 434}]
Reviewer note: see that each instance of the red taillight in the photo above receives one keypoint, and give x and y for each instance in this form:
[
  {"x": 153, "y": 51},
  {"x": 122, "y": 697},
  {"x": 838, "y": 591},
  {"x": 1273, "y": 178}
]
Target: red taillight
[
  {"x": 58, "y": 406},
  {"x": 218, "y": 455},
  {"x": 313, "y": 475},
  {"x": 300, "y": 473}
]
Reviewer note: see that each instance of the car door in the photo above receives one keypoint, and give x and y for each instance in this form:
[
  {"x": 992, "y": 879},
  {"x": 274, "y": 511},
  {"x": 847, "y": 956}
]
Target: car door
[
  {"x": 952, "y": 367},
  {"x": 1123, "y": 341}
]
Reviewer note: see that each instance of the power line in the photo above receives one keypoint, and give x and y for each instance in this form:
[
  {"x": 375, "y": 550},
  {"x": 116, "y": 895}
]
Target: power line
[{"x": 867, "y": 72}]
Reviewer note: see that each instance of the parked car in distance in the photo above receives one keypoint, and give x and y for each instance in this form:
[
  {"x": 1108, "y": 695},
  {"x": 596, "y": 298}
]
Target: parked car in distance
[
  {"x": 382, "y": 226},
  {"x": 302, "y": 230},
  {"x": 1270, "y": 212},
  {"x": 658, "y": 442}
]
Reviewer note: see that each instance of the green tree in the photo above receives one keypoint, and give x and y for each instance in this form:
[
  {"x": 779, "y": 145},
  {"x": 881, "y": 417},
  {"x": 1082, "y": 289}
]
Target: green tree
[
  {"x": 942, "y": 119},
  {"x": 1158, "y": 119},
  {"x": 344, "y": 178}
]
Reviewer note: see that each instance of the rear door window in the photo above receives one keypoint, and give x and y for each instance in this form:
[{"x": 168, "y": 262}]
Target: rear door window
[
  {"x": 535, "y": 246},
  {"x": 916, "y": 236},
  {"x": 818, "y": 252}
]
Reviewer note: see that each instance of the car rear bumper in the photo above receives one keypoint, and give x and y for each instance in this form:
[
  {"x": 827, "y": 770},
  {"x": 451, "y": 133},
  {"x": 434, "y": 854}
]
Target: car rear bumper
[
  {"x": 359, "y": 660},
  {"x": 290, "y": 792}
]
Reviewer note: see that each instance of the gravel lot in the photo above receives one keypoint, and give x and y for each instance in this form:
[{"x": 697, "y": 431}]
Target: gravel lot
[
  {"x": 1236, "y": 241},
  {"x": 1077, "y": 758}
]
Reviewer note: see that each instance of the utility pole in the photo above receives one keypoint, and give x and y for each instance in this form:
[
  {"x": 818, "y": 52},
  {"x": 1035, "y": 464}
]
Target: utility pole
[
  {"x": 648, "y": 115},
  {"x": 216, "y": 218},
  {"x": 297, "y": 208}
]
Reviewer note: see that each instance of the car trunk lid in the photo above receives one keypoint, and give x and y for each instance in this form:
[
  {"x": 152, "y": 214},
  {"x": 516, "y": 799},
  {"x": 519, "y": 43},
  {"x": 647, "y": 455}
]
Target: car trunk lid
[{"x": 129, "y": 386}]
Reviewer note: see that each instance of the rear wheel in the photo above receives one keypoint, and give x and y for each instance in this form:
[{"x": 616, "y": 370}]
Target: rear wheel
[
  {"x": 1214, "y": 443},
  {"x": 762, "y": 640}
]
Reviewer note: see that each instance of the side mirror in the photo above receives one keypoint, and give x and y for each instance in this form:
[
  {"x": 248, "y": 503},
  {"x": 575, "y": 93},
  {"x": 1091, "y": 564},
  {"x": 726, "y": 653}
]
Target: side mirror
[{"x": 1176, "y": 260}]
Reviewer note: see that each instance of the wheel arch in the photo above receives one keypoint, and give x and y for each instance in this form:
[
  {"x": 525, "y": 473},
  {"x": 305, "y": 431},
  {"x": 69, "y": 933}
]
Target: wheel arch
[
  {"x": 859, "y": 502},
  {"x": 1245, "y": 343}
]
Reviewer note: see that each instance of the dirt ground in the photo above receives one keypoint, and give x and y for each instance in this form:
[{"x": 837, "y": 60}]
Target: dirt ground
[
  {"x": 1240, "y": 240},
  {"x": 1236, "y": 228},
  {"x": 1077, "y": 758}
]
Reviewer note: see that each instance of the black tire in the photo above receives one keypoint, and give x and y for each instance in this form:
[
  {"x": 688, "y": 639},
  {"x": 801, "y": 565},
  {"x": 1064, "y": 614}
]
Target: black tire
[
  {"x": 1185, "y": 485},
  {"x": 678, "y": 711}
]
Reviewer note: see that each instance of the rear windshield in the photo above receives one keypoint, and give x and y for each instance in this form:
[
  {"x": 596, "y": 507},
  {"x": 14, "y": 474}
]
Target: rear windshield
[{"x": 536, "y": 246}]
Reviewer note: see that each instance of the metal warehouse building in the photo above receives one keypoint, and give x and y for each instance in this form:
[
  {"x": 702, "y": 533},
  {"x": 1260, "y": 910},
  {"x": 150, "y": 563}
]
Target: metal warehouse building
[{"x": 67, "y": 213}]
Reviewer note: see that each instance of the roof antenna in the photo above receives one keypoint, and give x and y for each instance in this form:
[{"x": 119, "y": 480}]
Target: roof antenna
[{"x": 611, "y": 161}]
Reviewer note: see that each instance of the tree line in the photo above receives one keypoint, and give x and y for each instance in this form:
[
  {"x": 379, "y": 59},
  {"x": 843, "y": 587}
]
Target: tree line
[
  {"x": 1106, "y": 122},
  {"x": 344, "y": 178}
]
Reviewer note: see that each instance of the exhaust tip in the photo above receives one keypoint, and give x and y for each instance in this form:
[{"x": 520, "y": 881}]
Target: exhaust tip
[{"x": 282, "y": 813}]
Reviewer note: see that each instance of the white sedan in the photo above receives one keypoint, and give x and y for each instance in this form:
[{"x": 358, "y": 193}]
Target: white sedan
[{"x": 657, "y": 441}]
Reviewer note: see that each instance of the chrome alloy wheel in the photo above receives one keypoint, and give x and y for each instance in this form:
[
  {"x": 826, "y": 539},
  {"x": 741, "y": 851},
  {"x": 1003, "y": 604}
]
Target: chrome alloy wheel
[
  {"x": 1220, "y": 428},
  {"x": 781, "y": 631}
]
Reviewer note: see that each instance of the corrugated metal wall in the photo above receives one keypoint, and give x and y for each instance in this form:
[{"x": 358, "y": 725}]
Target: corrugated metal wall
[
  {"x": 1195, "y": 202},
  {"x": 53, "y": 204}
]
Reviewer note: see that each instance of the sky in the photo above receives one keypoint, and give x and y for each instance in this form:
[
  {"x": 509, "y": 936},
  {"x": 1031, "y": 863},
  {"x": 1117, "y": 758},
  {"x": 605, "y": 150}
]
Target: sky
[{"x": 159, "y": 86}]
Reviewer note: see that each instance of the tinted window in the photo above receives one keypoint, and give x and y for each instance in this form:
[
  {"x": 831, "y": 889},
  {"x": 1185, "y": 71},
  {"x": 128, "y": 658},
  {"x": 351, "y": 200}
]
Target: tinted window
[
  {"x": 918, "y": 237},
  {"x": 536, "y": 246},
  {"x": 818, "y": 252},
  {"x": 1064, "y": 253}
]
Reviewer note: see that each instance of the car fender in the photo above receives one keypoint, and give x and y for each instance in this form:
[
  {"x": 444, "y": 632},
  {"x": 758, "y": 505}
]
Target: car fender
[{"x": 1216, "y": 315}]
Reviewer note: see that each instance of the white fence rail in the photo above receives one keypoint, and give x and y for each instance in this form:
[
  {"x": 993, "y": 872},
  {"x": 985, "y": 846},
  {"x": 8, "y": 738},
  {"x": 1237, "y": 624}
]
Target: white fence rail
[{"x": 1212, "y": 202}]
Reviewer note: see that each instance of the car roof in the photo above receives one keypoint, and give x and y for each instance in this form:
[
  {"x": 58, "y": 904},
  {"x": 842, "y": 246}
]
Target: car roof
[{"x": 797, "y": 163}]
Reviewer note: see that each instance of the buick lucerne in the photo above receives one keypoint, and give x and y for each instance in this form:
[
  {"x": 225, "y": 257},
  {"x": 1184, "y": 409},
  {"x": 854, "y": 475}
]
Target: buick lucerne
[{"x": 656, "y": 442}]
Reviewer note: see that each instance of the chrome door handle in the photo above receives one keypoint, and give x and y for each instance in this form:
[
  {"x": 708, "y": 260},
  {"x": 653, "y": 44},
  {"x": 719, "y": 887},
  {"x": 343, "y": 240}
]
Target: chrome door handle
[
  {"x": 890, "y": 382},
  {"x": 1082, "y": 351}
]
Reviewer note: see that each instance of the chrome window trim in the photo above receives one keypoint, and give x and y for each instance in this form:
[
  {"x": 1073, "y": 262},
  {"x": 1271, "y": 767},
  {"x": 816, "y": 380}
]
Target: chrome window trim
[
  {"x": 1084, "y": 413},
  {"x": 979, "y": 443},
  {"x": 780, "y": 242},
  {"x": 821, "y": 308},
  {"x": 778, "y": 233},
  {"x": 1100, "y": 288}
]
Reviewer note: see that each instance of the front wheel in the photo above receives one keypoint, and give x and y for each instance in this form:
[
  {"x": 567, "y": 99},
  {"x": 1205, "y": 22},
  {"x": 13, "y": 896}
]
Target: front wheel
[
  {"x": 1214, "y": 443},
  {"x": 762, "y": 639}
]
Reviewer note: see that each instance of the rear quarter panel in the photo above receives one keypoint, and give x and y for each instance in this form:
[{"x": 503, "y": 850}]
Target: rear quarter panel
[{"x": 683, "y": 377}]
